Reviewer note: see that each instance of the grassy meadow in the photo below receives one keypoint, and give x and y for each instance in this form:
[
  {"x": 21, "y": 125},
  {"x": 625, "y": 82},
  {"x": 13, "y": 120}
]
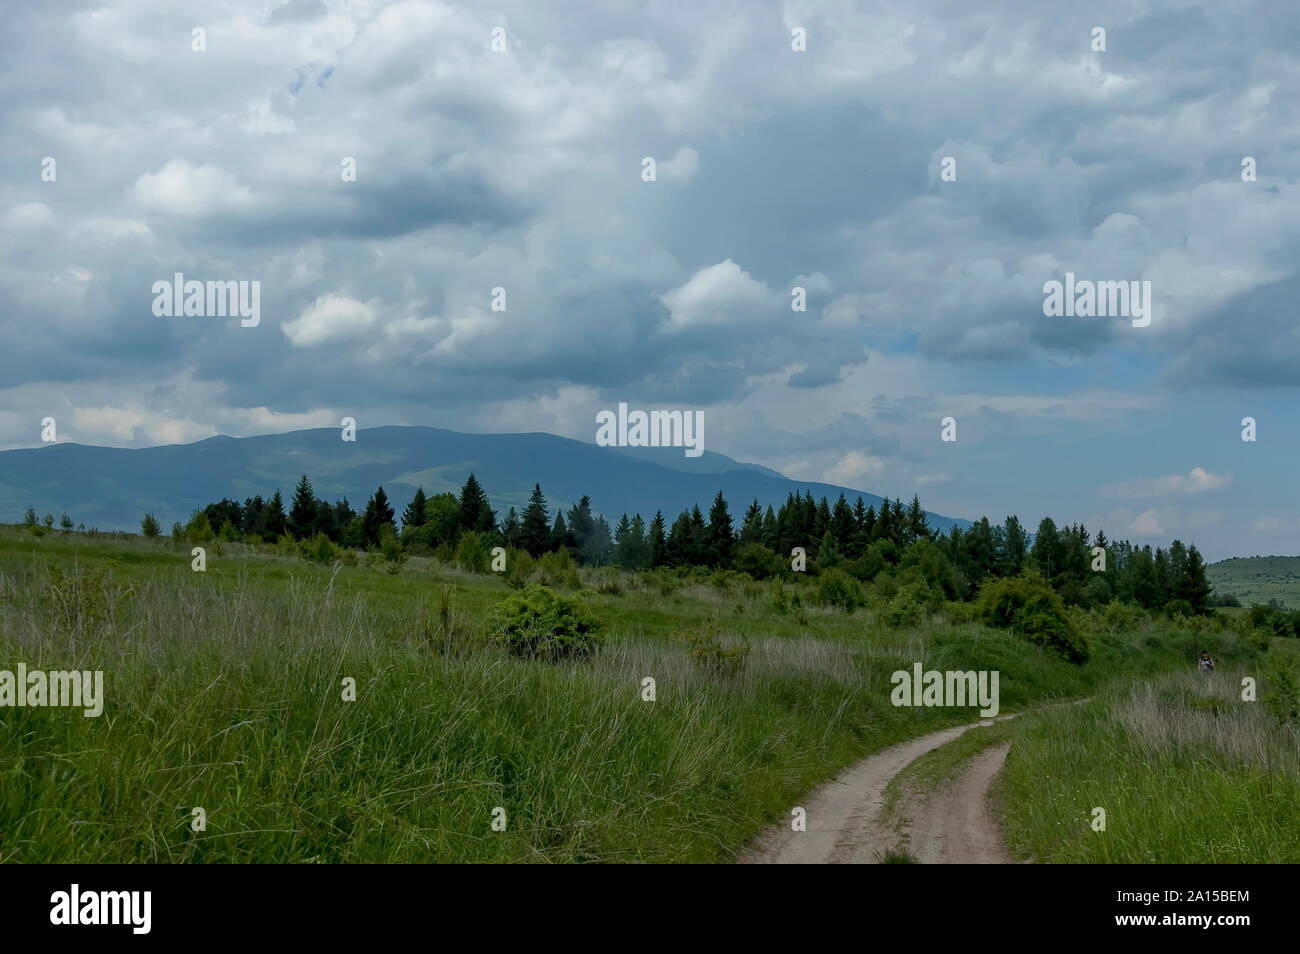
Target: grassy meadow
[
  {"x": 1185, "y": 769},
  {"x": 224, "y": 691}
]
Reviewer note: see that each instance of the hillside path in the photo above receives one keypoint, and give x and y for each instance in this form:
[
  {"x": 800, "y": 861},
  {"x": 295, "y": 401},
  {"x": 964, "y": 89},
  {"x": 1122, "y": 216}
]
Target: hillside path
[{"x": 954, "y": 826}]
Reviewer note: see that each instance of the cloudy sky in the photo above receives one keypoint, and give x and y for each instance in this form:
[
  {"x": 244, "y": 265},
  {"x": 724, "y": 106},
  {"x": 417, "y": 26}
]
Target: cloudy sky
[{"x": 522, "y": 169}]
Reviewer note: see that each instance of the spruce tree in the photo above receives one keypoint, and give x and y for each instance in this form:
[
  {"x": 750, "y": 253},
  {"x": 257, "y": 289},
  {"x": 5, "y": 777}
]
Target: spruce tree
[
  {"x": 275, "y": 519},
  {"x": 379, "y": 512},
  {"x": 302, "y": 514},
  {"x": 656, "y": 541},
  {"x": 1015, "y": 545},
  {"x": 1196, "y": 586},
  {"x": 719, "y": 536},
  {"x": 535, "y": 528},
  {"x": 413, "y": 516},
  {"x": 510, "y": 528},
  {"x": 475, "y": 512},
  {"x": 918, "y": 528}
]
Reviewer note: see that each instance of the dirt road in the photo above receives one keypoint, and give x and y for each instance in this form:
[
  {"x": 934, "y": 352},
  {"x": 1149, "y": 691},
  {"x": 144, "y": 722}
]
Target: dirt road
[{"x": 954, "y": 826}]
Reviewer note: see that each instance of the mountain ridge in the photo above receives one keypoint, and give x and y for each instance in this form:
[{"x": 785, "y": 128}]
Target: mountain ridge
[{"x": 113, "y": 487}]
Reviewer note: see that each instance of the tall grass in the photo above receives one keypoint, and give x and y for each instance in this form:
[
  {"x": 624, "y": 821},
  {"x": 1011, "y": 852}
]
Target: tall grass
[{"x": 1186, "y": 771}]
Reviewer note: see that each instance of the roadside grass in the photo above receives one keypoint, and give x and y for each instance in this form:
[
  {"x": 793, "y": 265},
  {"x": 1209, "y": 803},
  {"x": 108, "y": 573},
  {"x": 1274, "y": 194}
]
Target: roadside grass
[
  {"x": 224, "y": 692},
  {"x": 1185, "y": 770}
]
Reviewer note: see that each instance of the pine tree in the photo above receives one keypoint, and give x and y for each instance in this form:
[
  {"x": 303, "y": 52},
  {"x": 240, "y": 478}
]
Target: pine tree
[
  {"x": 150, "y": 527},
  {"x": 1014, "y": 547},
  {"x": 698, "y": 541},
  {"x": 275, "y": 518},
  {"x": 561, "y": 538},
  {"x": 379, "y": 512},
  {"x": 302, "y": 515},
  {"x": 656, "y": 541},
  {"x": 771, "y": 534},
  {"x": 475, "y": 512},
  {"x": 1196, "y": 586},
  {"x": 413, "y": 516},
  {"x": 720, "y": 539},
  {"x": 918, "y": 528},
  {"x": 677, "y": 551},
  {"x": 751, "y": 527},
  {"x": 1046, "y": 551},
  {"x": 979, "y": 552},
  {"x": 582, "y": 526},
  {"x": 510, "y": 528},
  {"x": 535, "y": 528},
  {"x": 599, "y": 548},
  {"x": 842, "y": 525},
  {"x": 639, "y": 547},
  {"x": 623, "y": 542}
]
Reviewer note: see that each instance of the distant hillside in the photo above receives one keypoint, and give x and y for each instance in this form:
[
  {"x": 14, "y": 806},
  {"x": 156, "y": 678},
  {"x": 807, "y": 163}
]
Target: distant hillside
[
  {"x": 112, "y": 488},
  {"x": 1258, "y": 579}
]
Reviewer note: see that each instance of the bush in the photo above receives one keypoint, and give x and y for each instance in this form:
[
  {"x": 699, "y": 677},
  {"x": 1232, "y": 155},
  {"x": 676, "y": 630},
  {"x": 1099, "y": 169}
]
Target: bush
[
  {"x": 663, "y": 580},
  {"x": 320, "y": 549},
  {"x": 558, "y": 569},
  {"x": 709, "y": 654},
  {"x": 391, "y": 549},
  {"x": 473, "y": 554},
  {"x": 1280, "y": 691},
  {"x": 904, "y": 610},
  {"x": 538, "y": 623},
  {"x": 868, "y": 566},
  {"x": 836, "y": 588},
  {"x": 1120, "y": 617},
  {"x": 1027, "y": 605},
  {"x": 758, "y": 561},
  {"x": 519, "y": 568}
]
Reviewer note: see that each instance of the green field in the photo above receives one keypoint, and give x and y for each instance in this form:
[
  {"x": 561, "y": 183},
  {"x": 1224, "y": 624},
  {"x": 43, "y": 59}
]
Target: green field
[
  {"x": 1258, "y": 579},
  {"x": 225, "y": 692}
]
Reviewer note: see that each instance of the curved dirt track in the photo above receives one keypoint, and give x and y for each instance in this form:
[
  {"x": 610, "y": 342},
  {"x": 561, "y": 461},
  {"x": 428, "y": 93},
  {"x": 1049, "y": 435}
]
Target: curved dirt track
[
  {"x": 955, "y": 826},
  {"x": 843, "y": 817}
]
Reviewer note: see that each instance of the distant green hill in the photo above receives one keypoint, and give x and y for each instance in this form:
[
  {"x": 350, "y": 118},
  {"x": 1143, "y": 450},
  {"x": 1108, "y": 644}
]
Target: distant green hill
[{"x": 1258, "y": 579}]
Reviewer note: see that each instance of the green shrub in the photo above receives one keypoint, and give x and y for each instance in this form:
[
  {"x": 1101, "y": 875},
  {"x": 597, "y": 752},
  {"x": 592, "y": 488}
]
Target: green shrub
[
  {"x": 663, "y": 580},
  {"x": 1280, "y": 691},
  {"x": 868, "y": 566},
  {"x": 1120, "y": 617},
  {"x": 538, "y": 623},
  {"x": 320, "y": 549},
  {"x": 391, "y": 549},
  {"x": 558, "y": 569},
  {"x": 709, "y": 654},
  {"x": 473, "y": 553},
  {"x": 836, "y": 588},
  {"x": 758, "y": 561},
  {"x": 1027, "y": 605},
  {"x": 904, "y": 609},
  {"x": 520, "y": 566}
]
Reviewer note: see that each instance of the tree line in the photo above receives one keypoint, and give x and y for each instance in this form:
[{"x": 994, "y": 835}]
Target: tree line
[{"x": 861, "y": 540}]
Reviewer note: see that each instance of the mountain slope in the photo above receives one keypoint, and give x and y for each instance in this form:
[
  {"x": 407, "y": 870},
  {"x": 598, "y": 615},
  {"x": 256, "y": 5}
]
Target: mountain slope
[{"x": 111, "y": 488}]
